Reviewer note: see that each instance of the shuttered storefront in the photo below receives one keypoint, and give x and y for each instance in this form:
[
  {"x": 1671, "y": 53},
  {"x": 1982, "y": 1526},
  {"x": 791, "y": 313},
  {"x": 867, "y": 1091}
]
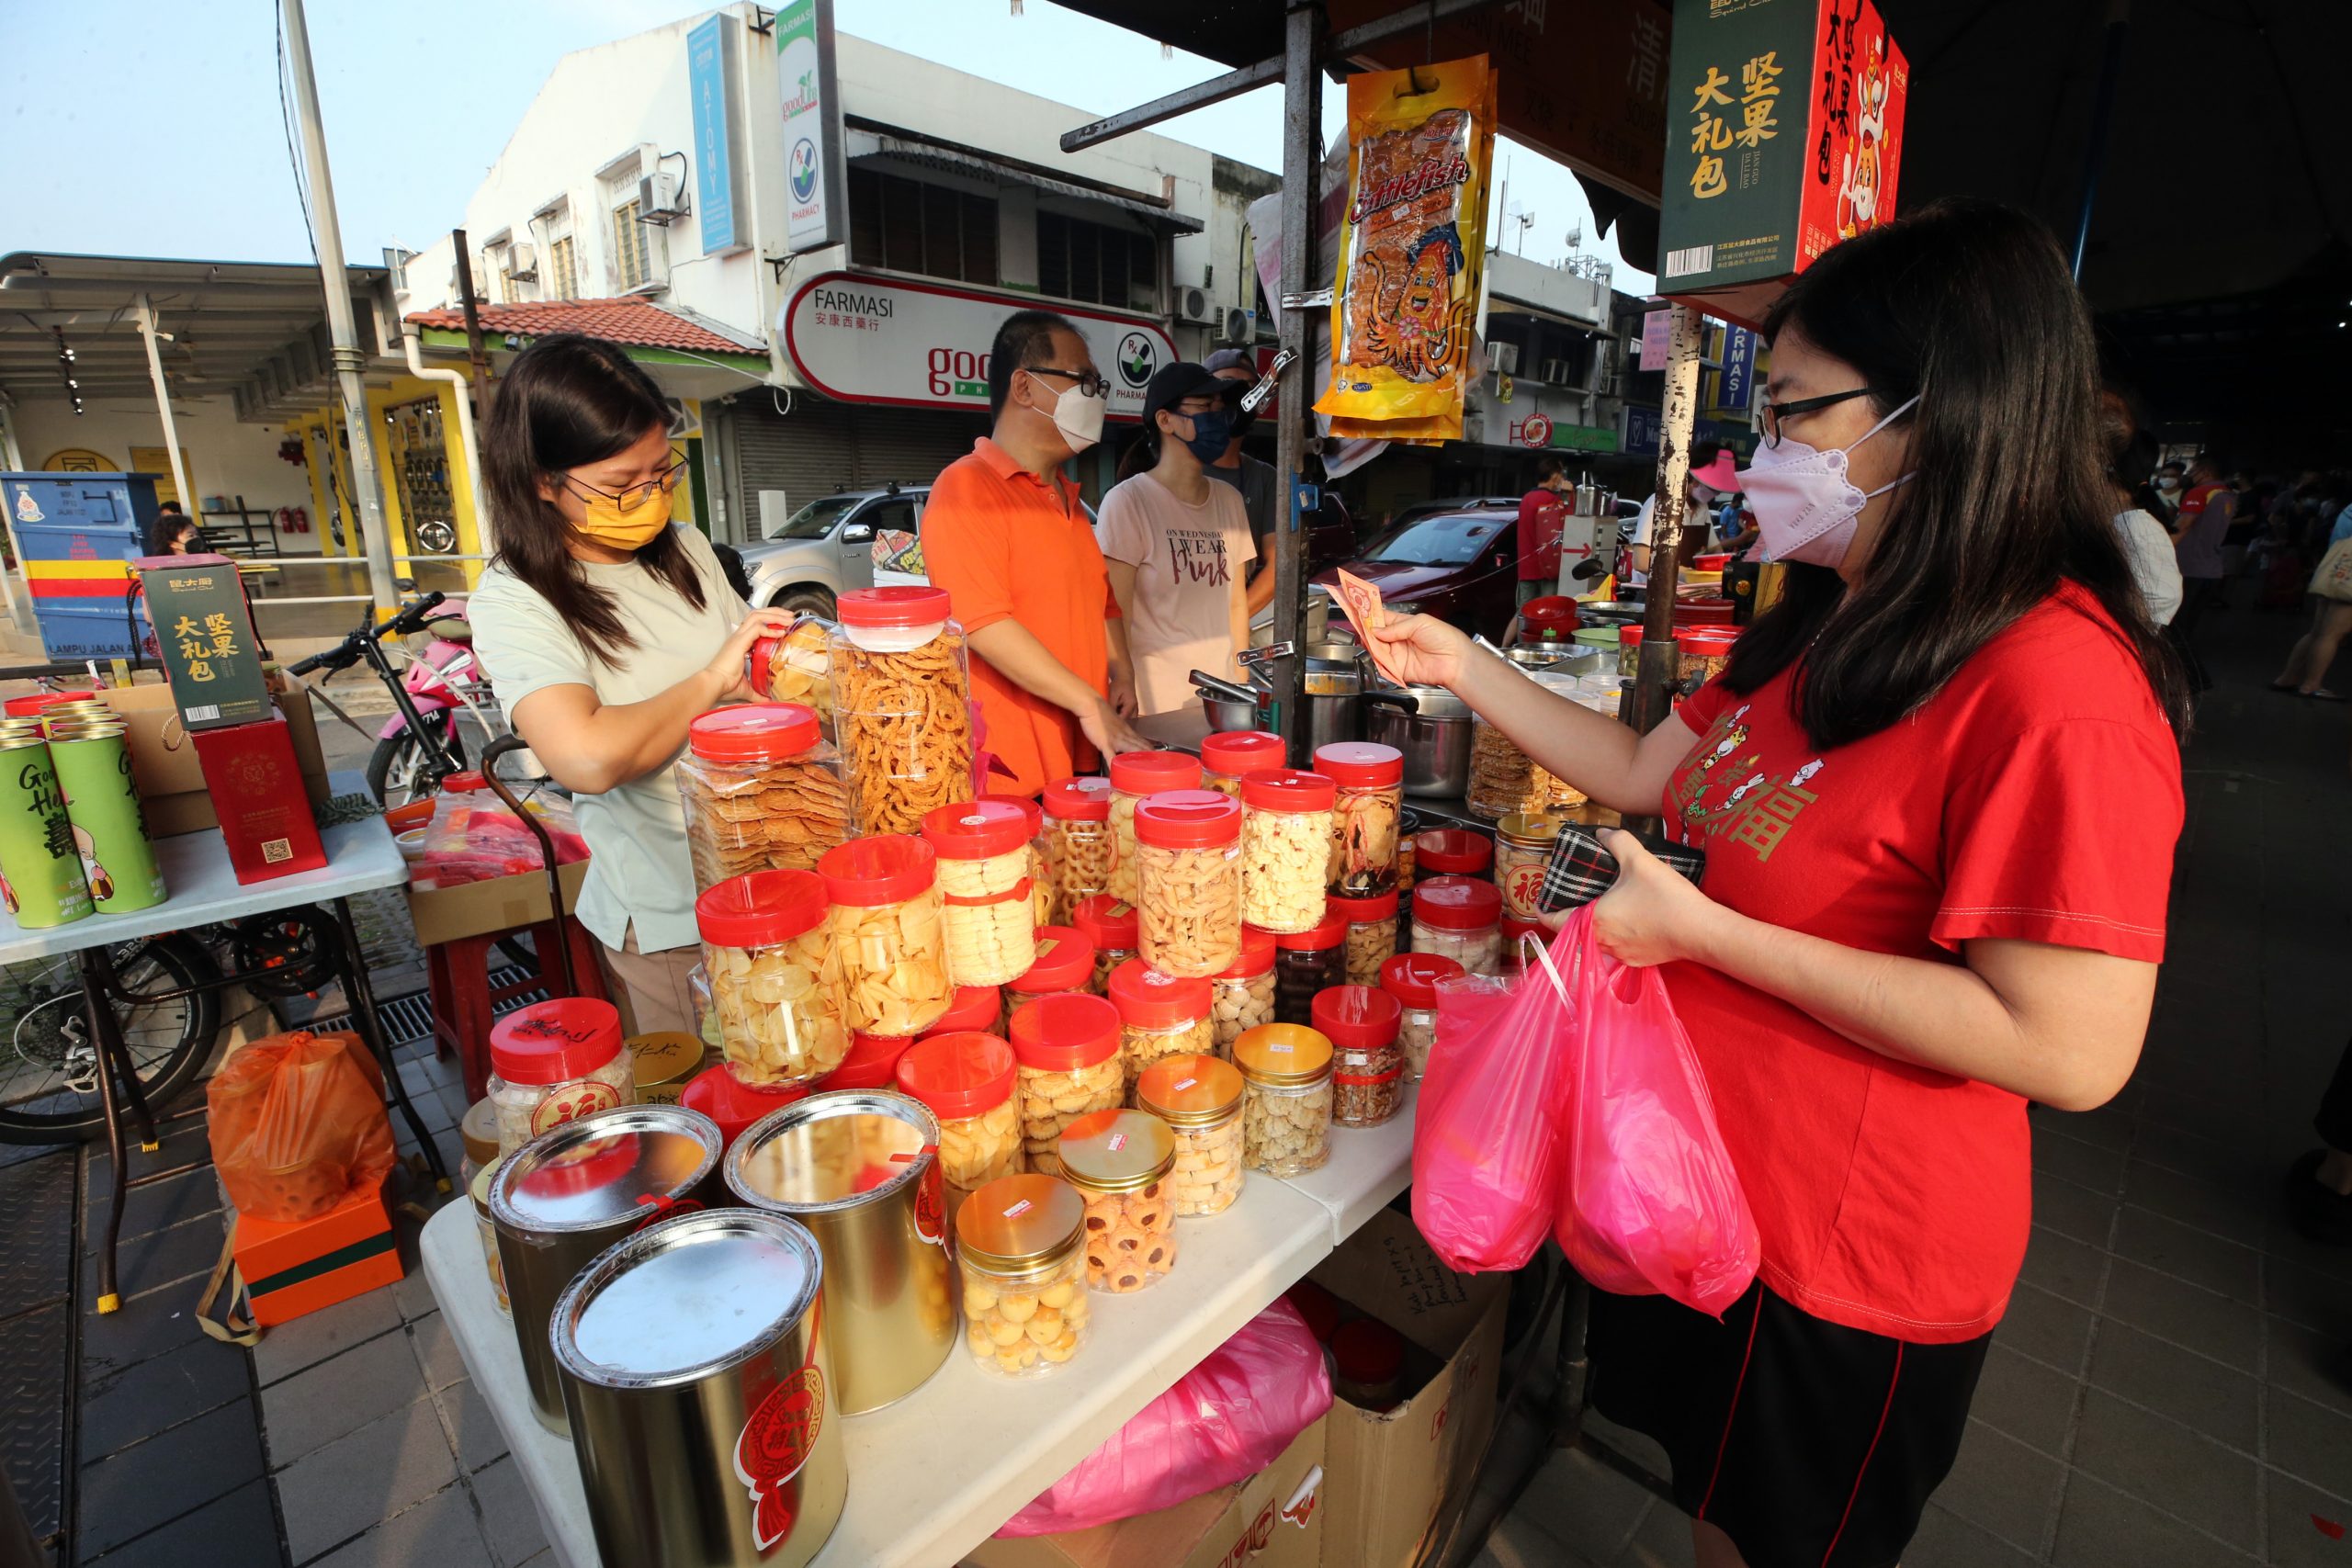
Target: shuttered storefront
[{"x": 822, "y": 447}]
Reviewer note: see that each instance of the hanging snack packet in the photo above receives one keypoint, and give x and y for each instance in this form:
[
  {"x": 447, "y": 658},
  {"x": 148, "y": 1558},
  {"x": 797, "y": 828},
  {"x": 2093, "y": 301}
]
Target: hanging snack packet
[{"x": 1421, "y": 146}]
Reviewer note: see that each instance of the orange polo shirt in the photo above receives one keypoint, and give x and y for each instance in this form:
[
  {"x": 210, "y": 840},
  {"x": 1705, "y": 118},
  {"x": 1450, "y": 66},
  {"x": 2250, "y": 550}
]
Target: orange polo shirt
[{"x": 1008, "y": 546}]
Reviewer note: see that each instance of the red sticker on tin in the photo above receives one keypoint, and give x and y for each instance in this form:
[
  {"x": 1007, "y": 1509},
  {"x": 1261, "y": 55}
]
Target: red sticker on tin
[
  {"x": 930, "y": 1207},
  {"x": 775, "y": 1443}
]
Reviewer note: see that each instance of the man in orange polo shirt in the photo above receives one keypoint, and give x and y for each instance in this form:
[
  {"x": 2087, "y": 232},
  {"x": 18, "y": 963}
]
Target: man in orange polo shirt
[{"x": 1004, "y": 534}]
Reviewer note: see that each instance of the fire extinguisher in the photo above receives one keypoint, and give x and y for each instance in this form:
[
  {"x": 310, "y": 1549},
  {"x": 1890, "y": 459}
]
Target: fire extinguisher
[{"x": 293, "y": 520}]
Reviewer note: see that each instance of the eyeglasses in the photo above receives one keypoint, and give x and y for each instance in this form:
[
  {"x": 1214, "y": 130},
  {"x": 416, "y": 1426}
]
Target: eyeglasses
[
  {"x": 1768, "y": 415},
  {"x": 636, "y": 495},
  {"x": 1089, "y": 382}
]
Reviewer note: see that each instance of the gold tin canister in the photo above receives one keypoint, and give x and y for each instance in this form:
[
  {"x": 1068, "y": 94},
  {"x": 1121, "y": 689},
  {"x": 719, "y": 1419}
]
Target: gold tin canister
[{"x": 663, "y": 1062}]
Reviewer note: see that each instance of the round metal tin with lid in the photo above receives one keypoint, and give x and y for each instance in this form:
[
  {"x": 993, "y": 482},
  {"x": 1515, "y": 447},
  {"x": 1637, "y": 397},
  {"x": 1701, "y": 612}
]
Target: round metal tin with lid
[
  {"x": 1021, "y": 1224},
  {"x": 1282, "y": 1054},
  {"x": 1116, "y": 1151},
  {"x": 680, "y": 1299}
]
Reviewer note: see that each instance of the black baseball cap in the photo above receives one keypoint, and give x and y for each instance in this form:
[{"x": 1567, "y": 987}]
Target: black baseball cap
[{"x": 1173, "y": 383}]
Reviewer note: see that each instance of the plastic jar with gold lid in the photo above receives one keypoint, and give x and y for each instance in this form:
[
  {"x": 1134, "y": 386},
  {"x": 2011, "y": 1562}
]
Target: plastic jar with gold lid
[
  {"x": 1523, "y": 843},
  {"x": 888, "y": 933},
  {"x": 1120, "y": 1162},
  {"x": 1371, "y": 780},
  {"x": 902, "y": 705},
  {"x": 1109, "y": 923},
  {"x": 1159, "y": 1015},
  {"x": 1372, "y": 934},
  {"x": 1367, "y": 1064},
  {"x": 1459, "y": 917},
  {"x": 1413, "y": 979},
  {"x": 1200, "y": 1099},
  {"x": 1021, "y": 1244},
  {"x": 662, "y": 1063},
  {"x": 1077, "y": 841},
  {"x": 1188, "y": 868},
  {"x": 1065, "y": 963},
  {"x": 1134, "y": 775},
  {"x": 762, "y": 789},
  {"x": 990, "y": 916},
  {"x": 1286, "y": 838},
  {"x": 1066, "y": 1051},
  {"x": 1229, "y": 756},
  {"x": 1244, "y": 994},
  {"x": 969, "y": 1080},
  {"x": 1286, "y": 1099},
  {"x": 776, "y": 979}
]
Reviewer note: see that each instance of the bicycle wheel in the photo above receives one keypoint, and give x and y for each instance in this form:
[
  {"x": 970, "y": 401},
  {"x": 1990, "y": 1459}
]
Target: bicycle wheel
[
  {"x": 393, "y": 769},
  {"x": 48, "y": 1085}
]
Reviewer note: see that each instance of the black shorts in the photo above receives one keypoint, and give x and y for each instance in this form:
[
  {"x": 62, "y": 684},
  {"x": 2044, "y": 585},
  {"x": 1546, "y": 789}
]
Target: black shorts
[{"x": 1809, "y": 1444}]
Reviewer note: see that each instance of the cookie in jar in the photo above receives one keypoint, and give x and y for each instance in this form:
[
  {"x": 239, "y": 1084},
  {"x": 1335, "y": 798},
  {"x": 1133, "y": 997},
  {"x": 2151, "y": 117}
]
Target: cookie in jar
[
  {"x": 1076, "y": 842},
  {"x": 1159, "y": 1015},
  {"x": 1134, "y": 775},
  {"x": 1021, "y": 1247},
  {"x": 1188, "y": 868},
  {"x": 1286, "y": 1099},
  {"x": 1229, "y": 756},
  {"x": 1368, "y": 1074},
  {"x": 1110, "y": 924},
  {"x": 762, "y": 789},
  {"x": 1243, "y": 997},
  {"x": 1413, "y": 979},
  {"x": 1372, "y": 933},
  {"x": 1066, "y": 1054},
  {"x": 1120, "y": 1161},
  {"x": 990, "y": 916},
  {"x": 969, "y": 1080},
  {"x": 1200, "y": 1099}
]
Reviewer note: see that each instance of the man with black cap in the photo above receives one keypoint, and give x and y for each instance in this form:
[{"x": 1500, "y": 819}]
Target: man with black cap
[
  {"x": 1177, "y": 545},
  {"x": 1255, "y": 479}
]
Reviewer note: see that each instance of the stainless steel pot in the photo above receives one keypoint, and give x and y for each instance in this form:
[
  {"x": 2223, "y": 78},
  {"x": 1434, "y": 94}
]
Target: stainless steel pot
[
  {"x": 1611, "y": 613},
  {"x": 1332, "y": 689},
  {"x": 1560, "y": 658},
  {"x": 1431, "y": 727},
  {"x": 1228, "y": 706}
]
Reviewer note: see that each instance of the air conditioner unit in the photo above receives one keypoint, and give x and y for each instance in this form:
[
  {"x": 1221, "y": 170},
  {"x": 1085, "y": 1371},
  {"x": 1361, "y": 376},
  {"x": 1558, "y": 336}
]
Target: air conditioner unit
[
  {"x": 1195, "y": 308},
  {"x": 1503, "y": 357},
  {"x": 659, "y": 200},
  {"x": 1240, "y": 326},
  {"x": 1554, "y": 373},
  {"x": 1610, "y": 383},
  {"x": 523, "y": 264}
]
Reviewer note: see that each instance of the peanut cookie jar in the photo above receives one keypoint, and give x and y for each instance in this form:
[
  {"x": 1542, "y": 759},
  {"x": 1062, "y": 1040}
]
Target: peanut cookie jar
[
  {"x": 1413, "y": 979},
  {"x": 1065, "y": 963},
  {"x": 1367, "y": 1064},
  {"x": 776, "y": 980},
  {"x": 1459, "y": 917},
  {"x": 761, "y": 790},
  {"x": 1108, "y": 922},
  {"x": 983, "y": 873},
  {"x": 1120, "y": 1161},
  {"x": 553, "y": 1062},
  {"x": 1021, "y": 1244},
  {"x": 1076, "y": 839},
  {"x": 1066, "y": 1051},
  {"x": 1286, "y": 1099},
  {"x": 1229, "y": 756},
  {"x": 969, "y": 1080},
  {"x": 1188, "y": 873},
  {"x": 1371, "y": 781},
  {"x": 888, "y": 934},
  {"x": 1286, "y": 837},
  {"x": 1134, "y": 774},
  {"x": 1200, "y": 1099},
  {"x": 1159, "y": 1015},
  {"x": 1372, "y": 933},
  {"x": 902, "y": 705},
  {"x": 1244, "y": 995}
]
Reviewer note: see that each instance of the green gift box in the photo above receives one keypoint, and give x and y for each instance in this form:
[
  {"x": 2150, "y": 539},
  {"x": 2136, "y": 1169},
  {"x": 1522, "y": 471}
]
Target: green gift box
[{"x": 204, "y": 634}]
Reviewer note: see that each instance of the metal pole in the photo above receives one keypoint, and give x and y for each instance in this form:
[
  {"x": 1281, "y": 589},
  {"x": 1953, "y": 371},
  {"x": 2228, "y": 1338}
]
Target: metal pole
[
  {"x": 2110, "y": 71},
  {"x": 163, "y": 406},
  {"x": 476, "y": 350},
  {"x": 1654, "y": 676},
  {"x": 343, "y": 331},
  {"x": 1302, "y": 171}
]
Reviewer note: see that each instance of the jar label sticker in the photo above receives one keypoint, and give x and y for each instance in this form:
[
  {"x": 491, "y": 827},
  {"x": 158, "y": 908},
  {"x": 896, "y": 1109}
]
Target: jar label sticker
[
  {"x": 1118, "y": 1142},
  {"x": 973, "y": 821},
  {"x": 1121, "y": 911},
  {"x": 1281, "y": 1046},
  {"x": 1017, "y": 1210},
  {"x": 1045, "y": 949},
  {"x": 774, "y": 1444},
  {"x": 1186, "y": 1083},
  {"x": 572, "y": 1101}
]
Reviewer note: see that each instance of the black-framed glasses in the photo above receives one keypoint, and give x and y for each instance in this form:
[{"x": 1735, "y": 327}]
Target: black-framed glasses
[
  {"x": 1090, "y": 382},
  {"x": 1769, "y": 414},
  {"x": 636, "y": 495}
]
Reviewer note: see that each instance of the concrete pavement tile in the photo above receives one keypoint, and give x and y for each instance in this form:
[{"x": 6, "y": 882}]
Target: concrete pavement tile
[
  {"x": 510, "y": 1522},
  {"x": 157, "y": 1260},
  {"x": 174, "y": 1472},
  {"x": 2084, "y": 1164},
  {"x": 2199, "y": 1113},
  {"x": 2171, "y": 1465},
  {"x": 442, "y": 1531},
  {"x": 234, "y": 1531},
  {"x": 144, "y": 1326},
  {"x": 160, "y": 1394},
  {"x": 1947, "y": 1541},
  {"x": 436, "y": 1353},
  {"x": 1636, "y": 1446},
  {"x": 2064, "y": 1267},
  {"x": 2190, "y": 1316},
  {"x": 2215, "y": 1400},
  {"x": 2046, "y": 1327},
  {"x": 2297, "y": 1515},
  {"x": 2311, "y": 1443},
  {"x": 1588, "y": 1508},
  {"x": 472, "y": 1430},
  {"x": 158, "y": 1205},
  {"x": 339, "y": 1395},
  {"x": 1999, "y": 1484},
  {"x": 313, "y": 1337},
  {"x": 2102, "y": 1527},
  {"x": 356, "y": 1481},
  {"x": 2235, "y": 1210},
  {"x": 2227, "y": 1165},
  {"x": 2282, "y": 1241},
  {"x": 2198, "y": 1256},
  {"x": 2073, "y": 1211},
  {"x": 2109, "y": 1127},
  {"x": 2302, "y": 1360},
  {"x": 184, "y": 1143},
  {"x": 2309, "y": 1297},
  {"x": 2026, "y": 1400}
]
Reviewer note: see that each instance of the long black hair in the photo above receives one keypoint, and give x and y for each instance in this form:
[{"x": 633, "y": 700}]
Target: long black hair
[
  {"x": 568, "y": 400},
  {"x": 1967, "y": 306}
]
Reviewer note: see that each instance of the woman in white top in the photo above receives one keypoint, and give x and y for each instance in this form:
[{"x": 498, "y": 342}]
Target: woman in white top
[
  {"x": 2147, "y": 543},
  {"x": 1178, "y": 543},
  {"x": 608, "y": 631}
]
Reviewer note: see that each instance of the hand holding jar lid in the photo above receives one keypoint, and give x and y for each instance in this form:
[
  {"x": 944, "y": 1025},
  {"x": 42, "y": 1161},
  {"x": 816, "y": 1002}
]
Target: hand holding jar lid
[
  {"x": 1020, "y": 1242},
  {"x": 1286, "y": 1099},
  {"x": 776, "y": 976},
  {"x": 1077, "y": 840},
  {"x": 982, "y": 848},
  {"x": 554, "y": 1061},
  {"x": 1230, "y": 756},
  {"x": 1371, "y": 780},
  {"x": 969, "y": 1080},
  {"x": 1188, "y": 868},
  {"x": 1110, "y": 922},
  {"x": 1134, "y": 775},
  {"x": 888, "y": 932},
  {"x": 1119, "y": 1161},
  {"x": 1286, "y": 838},
  {"x": 1367, "y": 1064},
  {"x": 1065, "y": 963},
  {"x": 1413, "y": 979},
  {"x": 1067, "y": 1052},
  {"x": 1200, "y": 1099}
]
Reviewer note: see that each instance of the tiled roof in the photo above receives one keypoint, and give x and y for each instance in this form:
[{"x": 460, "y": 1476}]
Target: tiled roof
[{"x": 639, "y": 323}]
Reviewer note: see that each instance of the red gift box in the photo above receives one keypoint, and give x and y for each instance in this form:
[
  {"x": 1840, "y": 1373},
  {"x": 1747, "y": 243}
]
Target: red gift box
[{"x": 256, "y": 789}]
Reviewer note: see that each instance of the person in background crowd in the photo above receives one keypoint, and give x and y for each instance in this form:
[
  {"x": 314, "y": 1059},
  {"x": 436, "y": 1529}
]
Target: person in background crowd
[
  {"x": 2171, "y": 484},
  {"x": 2255, "y": 499},
  {"x": 1177, "y": 545},
  {"x": 2147, "y": 548},
  {"x": 1542, "y": 513},
  {"x": 2308, "y": 661},
  {"x": 608, "y": 631},
  {"x": 2206, "y": 509},
  {"x": 1256, "y": 481},
  {"x": 1713, "y": 469},
  {"x": 1735, "y": 526},
  {"x": 175, "y": 532},
  {"x": 1004, "y": 534}
]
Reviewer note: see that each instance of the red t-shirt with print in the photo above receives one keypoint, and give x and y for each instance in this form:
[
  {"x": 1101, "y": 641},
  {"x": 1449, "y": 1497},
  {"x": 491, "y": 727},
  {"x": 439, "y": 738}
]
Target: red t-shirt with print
[{"x": 2036, "y": 797}]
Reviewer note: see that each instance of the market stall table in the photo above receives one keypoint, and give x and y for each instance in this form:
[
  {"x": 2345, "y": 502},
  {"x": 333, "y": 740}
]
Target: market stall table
[
  {"x": 934, "y": 1476},
  {"x": 1369, "y": 1165},
  {"x": 204, "y": 890}
]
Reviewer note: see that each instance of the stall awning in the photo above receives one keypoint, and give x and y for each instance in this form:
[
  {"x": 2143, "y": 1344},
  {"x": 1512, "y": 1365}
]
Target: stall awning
[
  {"x": 869, "y": 139},
  {"x": 629, "y": 321}
]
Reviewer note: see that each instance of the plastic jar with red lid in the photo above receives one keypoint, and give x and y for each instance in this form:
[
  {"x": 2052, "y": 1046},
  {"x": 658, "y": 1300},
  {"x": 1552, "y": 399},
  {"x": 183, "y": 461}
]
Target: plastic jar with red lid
[
  {"x": 1514, "y": 956},
  {"x": 872, "y": 1063},
  {"x": 1134, "y": 775},
  {"x": 1188, "y": 871},
  {"x": 1244, "y": 994},
  {"x": 1371, "y": 780},
  {"x": 1229, "y": 756},
  {"x": 1078, "y": 848},
  {"x": 1110, "y": 922},
  {"x": 555, "y": 1061},
  {"x": 989, "y": 915},
  {"x": 1413, "y": 979},
  {"x": 888, "y": 934},
  {"x": 969, "y": 1080},
  {"x": 762, "y": 790},
  {"x": 775, "y": 982},
  {"x": 1452, "y": 851},
  {"x": 1286, "y": 838},
  {"x": 1372, "y": 933},
  {"x": 1307, "y": 962},
  {"x": 902, "y": 705},
  {"x": 1367, "y": 1064},
  {"x": 796, "y": 665},
  {"x": 1460, "y": 918},
  {"x": 1065, "y": 963},
  {"x": 1066, "y": 1051},
  {"x": 1041, "y": 886},
  {"x": 1159, "y": 1015},
  {"x": 735, "y": 1105},
  {"x": 1368, "y": 1365},
  {"x": 977, "y": 1010}
]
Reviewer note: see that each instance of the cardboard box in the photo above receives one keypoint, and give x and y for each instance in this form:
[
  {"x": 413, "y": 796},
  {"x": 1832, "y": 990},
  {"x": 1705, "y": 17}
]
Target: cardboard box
[
  {"x": 163, "y": 762},
  {"x": 257, "y": 792},
  {"x": 503, "y": 903},
  {"x": 296, "y": 1266},
  {"x": 1274, "y": 1519},
  {"x": 205, "y": 639},
  {"x": 1390, "y": 1475}
]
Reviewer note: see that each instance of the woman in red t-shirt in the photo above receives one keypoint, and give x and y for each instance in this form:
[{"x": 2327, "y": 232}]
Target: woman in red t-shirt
[{"x": 1938, "y": 788}]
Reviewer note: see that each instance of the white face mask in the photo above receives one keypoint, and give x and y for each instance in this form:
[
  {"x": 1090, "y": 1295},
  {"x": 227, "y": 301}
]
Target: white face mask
[
  {"x": 1077, "y": 416},
  {"x": 1807, "y": 508},
  {"x": 2168, "y": 483}
]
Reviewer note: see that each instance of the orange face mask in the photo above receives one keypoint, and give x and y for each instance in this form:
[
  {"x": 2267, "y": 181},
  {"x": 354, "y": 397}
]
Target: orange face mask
[{"x": 607, "y": 524}]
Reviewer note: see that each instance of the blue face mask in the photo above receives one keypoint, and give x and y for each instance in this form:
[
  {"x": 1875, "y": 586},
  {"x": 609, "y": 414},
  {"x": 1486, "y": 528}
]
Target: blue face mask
[{"x": 1212, "y": 434}]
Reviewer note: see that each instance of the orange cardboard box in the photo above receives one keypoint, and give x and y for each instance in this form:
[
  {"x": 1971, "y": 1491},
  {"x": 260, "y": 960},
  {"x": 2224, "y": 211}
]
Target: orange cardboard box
[{"x": 296, "y": 1267}]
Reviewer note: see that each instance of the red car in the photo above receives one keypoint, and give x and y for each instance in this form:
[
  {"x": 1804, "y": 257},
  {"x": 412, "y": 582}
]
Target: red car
[{"x": 1462, "y": 566}]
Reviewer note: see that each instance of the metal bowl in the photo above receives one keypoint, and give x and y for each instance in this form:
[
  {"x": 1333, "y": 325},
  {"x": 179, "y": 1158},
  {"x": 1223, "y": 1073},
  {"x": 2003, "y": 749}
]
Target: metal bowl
[{"x": 1611, "y": 613}]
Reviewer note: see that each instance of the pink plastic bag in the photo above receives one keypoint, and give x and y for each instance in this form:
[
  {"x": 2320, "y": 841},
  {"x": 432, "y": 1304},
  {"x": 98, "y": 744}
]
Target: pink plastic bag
[
  {"x": 1486, "y": 1157},
  {"x": 1228, "y": 1417},
  {"x": 1648, "y": 1200}
]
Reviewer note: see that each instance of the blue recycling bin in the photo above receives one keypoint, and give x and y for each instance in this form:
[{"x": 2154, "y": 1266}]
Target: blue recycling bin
[{"x": 76, "y": 536}]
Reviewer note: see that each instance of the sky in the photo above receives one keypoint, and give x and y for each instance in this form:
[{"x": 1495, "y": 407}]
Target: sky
[{"x": 164, "y": 137}]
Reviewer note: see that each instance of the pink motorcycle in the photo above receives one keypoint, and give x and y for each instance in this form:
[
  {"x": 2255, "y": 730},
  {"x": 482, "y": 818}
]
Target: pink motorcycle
[{"x": 419, "y": 745}]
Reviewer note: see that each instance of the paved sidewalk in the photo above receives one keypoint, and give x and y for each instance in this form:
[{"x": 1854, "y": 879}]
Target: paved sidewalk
[{"x": 2156, "y": 1395}]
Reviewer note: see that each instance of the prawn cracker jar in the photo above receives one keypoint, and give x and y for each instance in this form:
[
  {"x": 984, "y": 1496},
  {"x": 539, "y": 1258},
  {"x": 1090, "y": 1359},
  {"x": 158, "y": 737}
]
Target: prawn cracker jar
[
  {"x": 902, "y": 701},
  {"x": 1244, "y": 994},
  {"x": 1286, "y": 835},
  {"x": 1286, "y": 1099},
  {"x": 1021, "y": 1244},
  {"x": 1367, "y": 1064},
  {"x": 969, "y": 1081},
  {"x": 554, "y": 1061},
  {"x": 1108, "y": 922},
  {"x": 1120, "y": 1162},
  {"x": 1077, "y": 843},
  {"x": 984, "y": 883},
  {"x": 776, "y": 976},
  {"x": 1134, "y": 775},
  {"x": 1066, "y": 1049},
  {"x": 1200, "y": 1099},
  {"x": 1159, "y": 1015},
  {"x": 1188, "y": 872},
  {"x": 1230, "y": 756},
  {"x": 762, "y": 789},
  {"x": 1366, "y": 815},
  {"x": 888, "y": 934}
]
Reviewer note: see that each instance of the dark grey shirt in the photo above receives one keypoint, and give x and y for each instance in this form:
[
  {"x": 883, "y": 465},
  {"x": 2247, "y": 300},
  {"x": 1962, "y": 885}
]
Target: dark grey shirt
[{"x": 1256, "y": 482}]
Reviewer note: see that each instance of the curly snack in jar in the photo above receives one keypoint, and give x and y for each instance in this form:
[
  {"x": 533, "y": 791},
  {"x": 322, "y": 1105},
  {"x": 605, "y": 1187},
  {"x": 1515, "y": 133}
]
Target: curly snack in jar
[
  {"x": 1200, "y": 1099},
  {"x": 1523, "y": 843},
  {"x": 1286, "y": 1099},
  {"x": 1111, "y": 923},
  {"x": 969, "y": 1080},
  {"x": 1243, "y": 997},
  {"x": 991, "y": 924},
  {"x": 1080, "y": 849},
  {"x": 1413, "y": 979},
  {"x": 1159, "y": 1015},
  {"x": 552, "y": 1061},
  {"x": 1232, "y": 755},
  {"x": 1188, "y": 866},
  {"x": 1307, "y": 962},
  {"x": 762, "y": 789},
  {"x": 1134, "y": 775},
  {"x": 902, "y": 699},
  {"x": 888, "y": 934},
  {"x": 1065, "y": 963},
  {"x": 1459, "y": 917},
  {"x": 1020, "y": 1246},
  {"x": 775, "y": 977},
  {"x": 1120, "y": 1162},
  {"x": 1371, "y": 781},
  {"x": 975, "y": 1010},
  {"x": 1066, "y": 1052},
  {"x": 1367, "y": 1064},
  {"x": 1372, "y": 934},
  {"x": 1286, "y": 837}
]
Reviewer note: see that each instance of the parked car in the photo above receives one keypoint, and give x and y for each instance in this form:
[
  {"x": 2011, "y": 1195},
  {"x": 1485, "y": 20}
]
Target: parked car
[
  {"x": 856, "y": 539},
  {"x": 1462, "y": 566},
  {"x": 1422, "y": 509}
]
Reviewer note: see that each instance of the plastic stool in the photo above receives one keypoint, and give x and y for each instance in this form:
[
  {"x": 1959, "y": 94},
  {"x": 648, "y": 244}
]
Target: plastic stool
[{"x": 464, "y": 1001}]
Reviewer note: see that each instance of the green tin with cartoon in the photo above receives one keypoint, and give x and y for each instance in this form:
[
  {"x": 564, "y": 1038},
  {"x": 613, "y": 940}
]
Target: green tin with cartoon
[
  {"x": 109, "y": 827},
  {"x": 40, "y": 875}
]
